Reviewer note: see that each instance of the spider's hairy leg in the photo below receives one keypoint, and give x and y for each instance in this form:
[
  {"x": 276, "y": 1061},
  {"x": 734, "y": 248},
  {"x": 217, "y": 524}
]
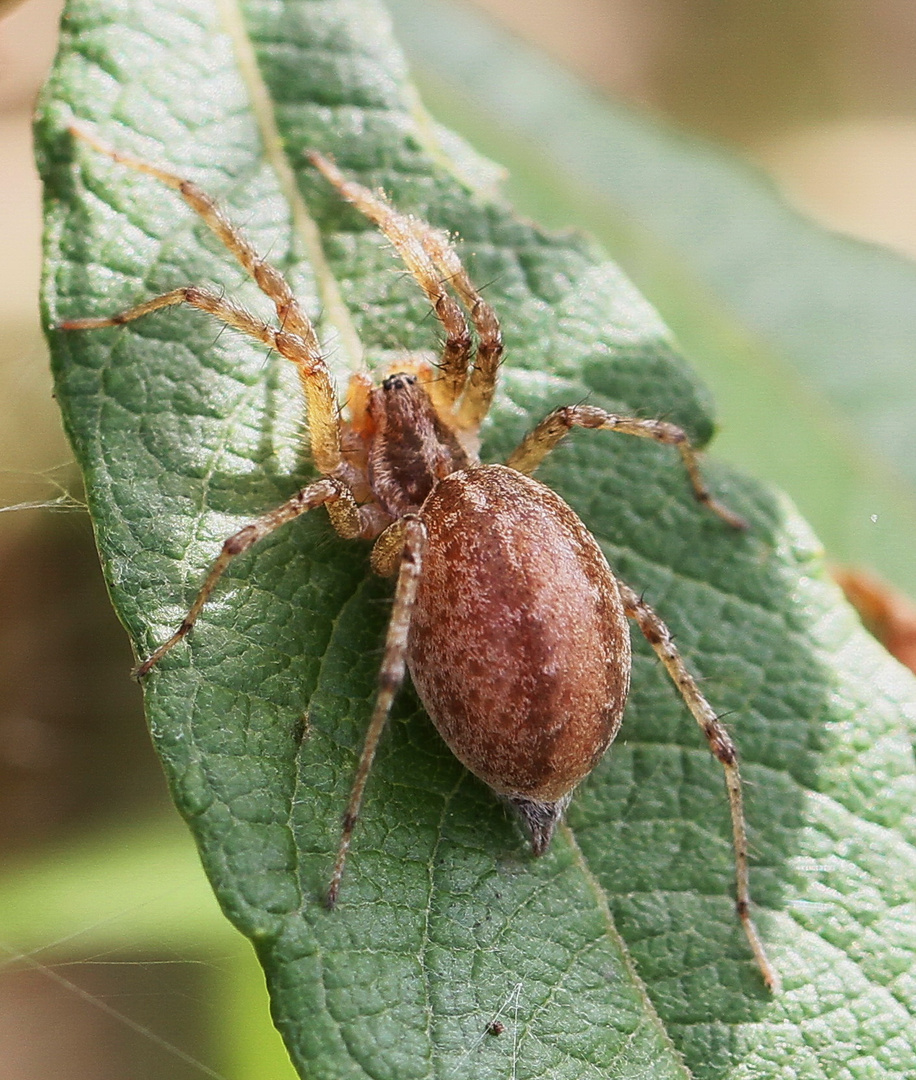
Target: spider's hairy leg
[
  {"x": 271, "y": 282},
  {"x": 321, "y": 403},
  {"x": 409, "y": 534},
  {"x": 659, "y": 637},
  {"x": 478, "y": 394},
  {"x": 538, "y": 443},
  {"x": 402, "y": 231},
  {"x": 202, "y": 299},
  {"x": 296, "y": 340},
  {"x": 345, "y": 517}
]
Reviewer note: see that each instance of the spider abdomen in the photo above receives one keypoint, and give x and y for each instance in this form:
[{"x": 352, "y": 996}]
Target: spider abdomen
[{"x": 518, "y": 643}]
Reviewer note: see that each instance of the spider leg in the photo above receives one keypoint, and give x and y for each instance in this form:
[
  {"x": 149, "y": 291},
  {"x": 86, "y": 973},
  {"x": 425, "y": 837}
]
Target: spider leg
[
  {"x": 538, "y": 443},
  {"x": 407, "y": 236},
  {"x": 271, "y": 282},
  {"x": 346, "y": 517},
  {"x": 321, "y": 403},
  {"x": 659, "y": 637},
  {"x": 391, "y": 675},
  {"x": 480, "y": 387},
  {"x": 303, "y": 347},
  {"x": 203, "y": 299}
]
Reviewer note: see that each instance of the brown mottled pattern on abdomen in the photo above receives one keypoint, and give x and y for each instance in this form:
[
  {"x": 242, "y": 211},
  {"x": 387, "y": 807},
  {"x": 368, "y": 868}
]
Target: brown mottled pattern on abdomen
[{"x": 519, "y": 647}]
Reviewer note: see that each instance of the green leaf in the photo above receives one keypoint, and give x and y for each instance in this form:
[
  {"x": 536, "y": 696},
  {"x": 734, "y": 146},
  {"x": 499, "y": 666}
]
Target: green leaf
[{"x": 618, "y": 953}]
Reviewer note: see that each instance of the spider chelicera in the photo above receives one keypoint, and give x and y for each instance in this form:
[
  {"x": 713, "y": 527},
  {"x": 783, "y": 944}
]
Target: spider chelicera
[{"x": 506, "y": 613}]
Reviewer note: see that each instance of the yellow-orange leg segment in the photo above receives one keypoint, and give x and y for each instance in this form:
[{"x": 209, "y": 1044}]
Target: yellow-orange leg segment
[
  {"x": 538, "y": 443},
  {"x": 659, "y": 637},
  {"x": 481, "y": 385},
  {"x": 407, "y": 238}
]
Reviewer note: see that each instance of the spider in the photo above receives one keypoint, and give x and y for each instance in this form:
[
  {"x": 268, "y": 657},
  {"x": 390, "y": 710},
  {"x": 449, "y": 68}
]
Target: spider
[{"x": 506, "y": 614}]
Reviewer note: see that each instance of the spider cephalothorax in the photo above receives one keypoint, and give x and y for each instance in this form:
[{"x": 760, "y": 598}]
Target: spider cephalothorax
[{"x": 410, "y": 448}]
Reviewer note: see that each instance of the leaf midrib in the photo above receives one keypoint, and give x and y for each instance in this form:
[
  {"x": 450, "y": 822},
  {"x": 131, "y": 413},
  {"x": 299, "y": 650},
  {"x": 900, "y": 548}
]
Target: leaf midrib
[{"x": 335, "y": 311}]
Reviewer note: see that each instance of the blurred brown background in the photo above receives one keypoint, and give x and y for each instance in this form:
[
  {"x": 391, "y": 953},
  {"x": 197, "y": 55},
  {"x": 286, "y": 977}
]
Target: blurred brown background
[
  {"x": 821, "y": 93},
  {"x": 57, "y": 637}
]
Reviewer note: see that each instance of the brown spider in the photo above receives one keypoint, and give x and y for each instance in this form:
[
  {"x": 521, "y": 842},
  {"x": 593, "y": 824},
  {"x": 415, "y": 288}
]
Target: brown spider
[{"x": 505, "y": 611}]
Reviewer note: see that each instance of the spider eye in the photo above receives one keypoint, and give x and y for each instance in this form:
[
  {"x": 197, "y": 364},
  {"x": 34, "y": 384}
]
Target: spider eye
[{"x": 399, "y": 381}]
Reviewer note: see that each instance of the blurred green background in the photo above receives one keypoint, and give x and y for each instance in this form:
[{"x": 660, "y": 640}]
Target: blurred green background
[{"x": 118, "y": 962}]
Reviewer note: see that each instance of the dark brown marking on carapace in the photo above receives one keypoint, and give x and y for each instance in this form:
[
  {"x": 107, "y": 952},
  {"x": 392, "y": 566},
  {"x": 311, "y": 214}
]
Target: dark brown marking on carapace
[
  {"x": 411, "y": 449},
  {"x": 518, "y": 594}
]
